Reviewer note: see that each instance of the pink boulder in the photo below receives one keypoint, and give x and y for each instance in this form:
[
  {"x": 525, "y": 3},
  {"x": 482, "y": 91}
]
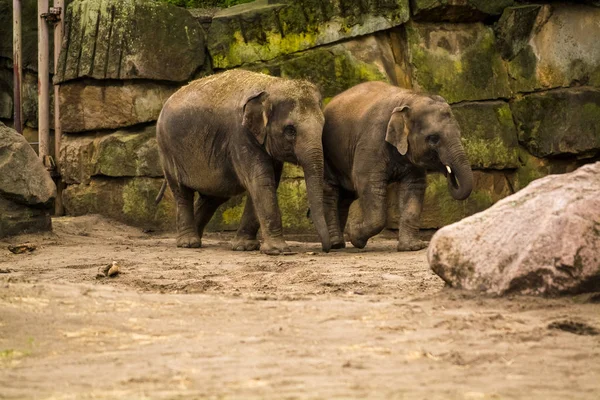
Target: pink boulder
[{"x": 542, "y": 240}]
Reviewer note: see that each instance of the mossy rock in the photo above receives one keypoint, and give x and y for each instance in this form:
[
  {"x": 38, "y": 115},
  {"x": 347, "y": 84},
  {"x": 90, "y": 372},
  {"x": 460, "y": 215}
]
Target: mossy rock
[
  {"x": 457, "y": 61},
  {"x": 133, "y": 39},
  {"x": 458, "y": 11},
  {"x": 339, "y": 67},
  {"x": 488, "y": 134},
  {"x": 262, "y": 30},
  {"x": 130, "y": 201},
  {"x": 551, "y": 46},
  {"x": 124, "y": 153},
  {"x": 559, "y": 122}
]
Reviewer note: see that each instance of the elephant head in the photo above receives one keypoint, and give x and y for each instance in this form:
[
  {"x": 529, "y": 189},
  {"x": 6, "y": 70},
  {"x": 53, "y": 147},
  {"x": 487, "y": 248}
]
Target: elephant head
[
  {"x": 286, "y": 118},
  {"x": 425, "y": 130}
]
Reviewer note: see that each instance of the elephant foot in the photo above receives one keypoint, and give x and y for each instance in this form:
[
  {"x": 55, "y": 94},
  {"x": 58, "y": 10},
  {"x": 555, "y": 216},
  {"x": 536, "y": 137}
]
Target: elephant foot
[
  {"x": 358, "y": 243},
  {"x": 274, "y": 247},
  {"x": 244, "y": 244},
  {"x": 338, "y": 244},
  {"x": 412, "y": 245},
  {"x": 189, "y": 240}
]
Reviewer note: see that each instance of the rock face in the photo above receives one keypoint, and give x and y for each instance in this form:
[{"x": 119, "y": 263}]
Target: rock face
[
  {"x": 545, "y": 239},
  {"x": 558, "y": 122},
  {"x": 26, "y": 189},
  {"x": 488, "y": 134},
  {"x": 133, "y": 39},
  {"x": 551, "y": 46},
  {"x": 87, "y": 107},
  {"x": 457, "y": 61},
  {"x": 264, "y": 29},
  {"x": 458, "y": 10}
]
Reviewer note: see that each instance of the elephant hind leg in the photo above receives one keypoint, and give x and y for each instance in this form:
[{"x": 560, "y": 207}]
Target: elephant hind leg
[
  {"x": 187, "y": 235},
  {"x": 331, "y": 198},
  {"x": 204, "y": 209}
]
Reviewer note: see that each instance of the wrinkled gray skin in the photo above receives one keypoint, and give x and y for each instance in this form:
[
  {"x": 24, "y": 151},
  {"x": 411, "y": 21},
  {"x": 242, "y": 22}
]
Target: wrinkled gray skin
[
  {"x": 231, "y": 132},
  {"x": 374, "y": 134}
]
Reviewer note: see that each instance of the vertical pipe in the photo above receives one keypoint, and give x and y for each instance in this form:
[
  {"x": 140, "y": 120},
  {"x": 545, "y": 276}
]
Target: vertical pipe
[
  {"x": 17, "y": 69},
  {"x": 43, "y": 84},
  {"x": 58, "y": 34}
]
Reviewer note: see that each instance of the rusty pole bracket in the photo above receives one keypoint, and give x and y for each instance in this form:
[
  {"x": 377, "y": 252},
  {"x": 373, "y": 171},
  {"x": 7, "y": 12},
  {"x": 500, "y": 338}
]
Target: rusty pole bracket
[{"x": 53, "y": 15}]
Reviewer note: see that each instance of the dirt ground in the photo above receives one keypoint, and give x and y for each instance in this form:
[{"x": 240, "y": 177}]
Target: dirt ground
[{"x": 211, "y": 323}]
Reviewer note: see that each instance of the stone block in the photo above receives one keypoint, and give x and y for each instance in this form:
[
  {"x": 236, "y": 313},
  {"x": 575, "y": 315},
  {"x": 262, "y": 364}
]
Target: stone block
[
  {"x": 128, "y": 200},
  {"x": 457, "y": 10},
  {"x": 559, "y": 122},
  {"x": 124, "y": 153},
  {"x": 457, "y": 61},
  {"x": 488, "y": 134},
  {"x": 89, "y": 107},
  {"x": 263, "y": 30},
  {"x": 336, "y": 68},
  {"x": 133, "y": 39},
  {"x": 551, "y": 46}
]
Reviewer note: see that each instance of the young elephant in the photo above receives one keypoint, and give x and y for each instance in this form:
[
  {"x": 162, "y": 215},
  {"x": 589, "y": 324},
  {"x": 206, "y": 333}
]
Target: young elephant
[
  {"x": 231, "y": 132},
  {"x": 374, "y": 134}
]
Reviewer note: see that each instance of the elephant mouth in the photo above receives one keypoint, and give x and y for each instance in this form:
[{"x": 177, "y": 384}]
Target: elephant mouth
[{"x": 451, "y": 177}]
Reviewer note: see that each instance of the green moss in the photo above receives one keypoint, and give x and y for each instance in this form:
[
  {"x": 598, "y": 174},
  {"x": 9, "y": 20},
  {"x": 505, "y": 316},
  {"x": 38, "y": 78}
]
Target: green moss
[
  {"x": 204, "y": 3},
  {"x": 293, "y": 204},
  {"x": 233, "y": 215},
  {"x": 138, "y": 202},
  {"x": 489, "y": 153},
  {"x": 476, "y": 72}
]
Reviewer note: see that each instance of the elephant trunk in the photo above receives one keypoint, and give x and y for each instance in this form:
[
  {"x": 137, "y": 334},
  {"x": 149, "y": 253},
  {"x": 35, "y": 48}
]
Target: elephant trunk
[
  {"x": 458, "y": 173},
  {"x": 312, "y": 164}
]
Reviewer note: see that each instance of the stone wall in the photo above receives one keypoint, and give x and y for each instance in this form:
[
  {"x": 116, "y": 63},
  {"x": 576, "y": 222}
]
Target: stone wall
[{"x": 523, "y": 81}]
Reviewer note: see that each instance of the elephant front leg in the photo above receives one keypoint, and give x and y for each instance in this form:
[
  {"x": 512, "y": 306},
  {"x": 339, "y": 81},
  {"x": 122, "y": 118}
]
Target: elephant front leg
[
  {"x": 411, "y": 196},
  {"x": 331, "y": 197},
  {"x": 369, "y": 219},
  {"x": 263, "y": 192},
  {"x": 245, "y": 237},
  {"x": 187, "y": 235}
]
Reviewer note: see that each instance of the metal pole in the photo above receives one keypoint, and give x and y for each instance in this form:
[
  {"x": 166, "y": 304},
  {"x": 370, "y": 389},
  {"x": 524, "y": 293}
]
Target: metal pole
[
  {"x": 43, "y": 84},
  {"x": 58, "y": 33},
  {"x": 17, "y": 69}
]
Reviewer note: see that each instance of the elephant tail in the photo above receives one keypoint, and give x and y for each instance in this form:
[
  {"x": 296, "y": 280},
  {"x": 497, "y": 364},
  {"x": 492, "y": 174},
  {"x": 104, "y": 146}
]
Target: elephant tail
[{"x": 161, "y": 192}]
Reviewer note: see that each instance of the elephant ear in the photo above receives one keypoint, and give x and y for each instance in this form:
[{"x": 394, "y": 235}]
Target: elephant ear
[
  {"x": 256, "y": 115},
  {"x": 397, "y": 129}
]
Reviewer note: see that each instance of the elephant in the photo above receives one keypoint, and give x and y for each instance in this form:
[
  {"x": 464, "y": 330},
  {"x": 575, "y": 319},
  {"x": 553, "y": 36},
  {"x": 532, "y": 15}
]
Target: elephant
[
  {"x": 376, "y": 133},
  {"x": 230, "y": 133}
]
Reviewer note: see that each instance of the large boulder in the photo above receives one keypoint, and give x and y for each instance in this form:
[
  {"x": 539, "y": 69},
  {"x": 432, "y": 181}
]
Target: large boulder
[
  {"x": 131, "y": 39},
  {"x": 90, "y": 107},
  {"x": 559, "y": 122},
  {"x": 265, "y": 29},
  {"x": 26, "y": 188},
  {"x": 545, "y": 239},
  {"x": 550, "y": 46},
  {"x": 23, "y": 178},
  {"x": 457, "y": 61}
]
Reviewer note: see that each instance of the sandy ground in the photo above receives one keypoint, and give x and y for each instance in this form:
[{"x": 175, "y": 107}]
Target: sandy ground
[{"x": 211, "y": 323}]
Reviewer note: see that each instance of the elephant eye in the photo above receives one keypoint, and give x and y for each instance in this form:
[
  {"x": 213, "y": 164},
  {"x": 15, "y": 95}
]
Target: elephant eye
[
  {"x": 433, "y": 139},
  {"x": 290, "y": 130}
]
